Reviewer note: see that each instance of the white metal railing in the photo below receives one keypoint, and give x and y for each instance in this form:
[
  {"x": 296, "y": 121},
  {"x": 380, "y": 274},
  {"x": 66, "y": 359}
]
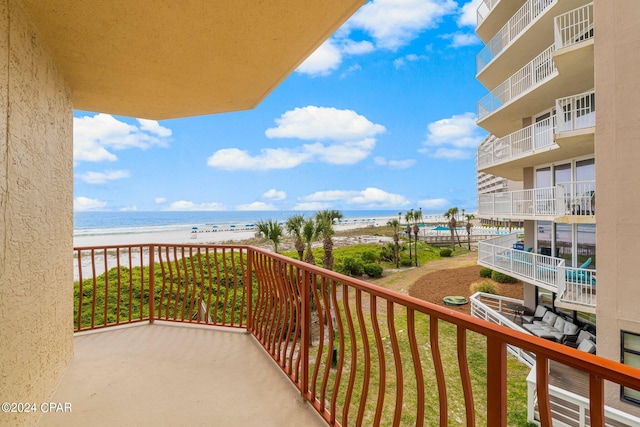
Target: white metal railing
[
  {"x": 574, "y": 27},
  {"x": 580, "y": 198},
  {"x": 578, "y": 286},
  {"x": 523, "y": 80},
  {"x": 547, "y": 201},
  {"x": 519, "y": 143},
  {"x": 493, "y": 308},
  {"x": 538, "y": 269},
  {"x": 484, "y": 9},
  {"x": 576, "y": 112},
  {"x": 573, "y": 407},
  {"x": 516, "y": 25}
]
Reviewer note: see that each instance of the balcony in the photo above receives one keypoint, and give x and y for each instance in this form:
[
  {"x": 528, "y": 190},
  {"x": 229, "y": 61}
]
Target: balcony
[
  {"x": 358, "y": 354},
  {"x": 575, "y": 287},
  {"x": 570, "y": 133},
  {"x": 568, "y": 388},
  {"x": 492, "y": 14}
]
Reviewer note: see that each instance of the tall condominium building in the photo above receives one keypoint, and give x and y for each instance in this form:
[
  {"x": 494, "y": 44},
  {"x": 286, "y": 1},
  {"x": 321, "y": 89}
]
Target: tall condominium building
[{"x": 547, "y": 65}]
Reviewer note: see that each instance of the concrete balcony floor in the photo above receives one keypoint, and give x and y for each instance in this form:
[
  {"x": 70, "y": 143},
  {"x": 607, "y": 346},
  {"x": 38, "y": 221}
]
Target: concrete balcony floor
[{"x": 170, "y": 374}]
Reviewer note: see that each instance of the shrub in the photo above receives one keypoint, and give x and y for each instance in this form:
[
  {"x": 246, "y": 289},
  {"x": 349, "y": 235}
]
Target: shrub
[
  {"x": 405, "y": 262},
  {"x": 485, "y": 272},
  {"x": 484, "y": 286},
  {"x": 502, "y": 278},
  {"x": 352, "y": 266},
  {"x": 445, "y": 252},
  {"x": 373, "y": 270},
  {"x": 369, "y": 257}
]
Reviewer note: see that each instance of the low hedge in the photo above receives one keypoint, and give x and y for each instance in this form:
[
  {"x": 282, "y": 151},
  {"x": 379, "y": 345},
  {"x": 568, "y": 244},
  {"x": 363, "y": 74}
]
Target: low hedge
[
  {"x": 445, "y": 252},
  {"x": 502, "y": 278},
  {"x": 485, "y": 272}
]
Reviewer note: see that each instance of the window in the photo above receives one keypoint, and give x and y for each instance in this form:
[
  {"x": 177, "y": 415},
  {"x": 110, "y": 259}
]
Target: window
[{"x": 630, "y": 351}]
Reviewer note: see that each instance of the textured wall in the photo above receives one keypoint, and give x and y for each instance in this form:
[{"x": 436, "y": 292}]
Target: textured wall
[
  {"x": 36, "y": 191},
  {"x": 617, "y": 61}
]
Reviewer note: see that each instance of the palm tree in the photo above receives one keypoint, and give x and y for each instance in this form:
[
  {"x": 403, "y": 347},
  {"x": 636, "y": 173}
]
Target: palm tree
[
  {"x": 451, "y": 216},
  {"x": 270, "y": 230},
  {"x": 395, "y": 225},
  {"x": 417, "y": 218},
  {"x": 468, "y": 227},
  {"x": 294, "y": 228},
  {"x": 409, "y": 217},
  {"x": 310, "y": 234},
  {"x": 325, "y": 220}
]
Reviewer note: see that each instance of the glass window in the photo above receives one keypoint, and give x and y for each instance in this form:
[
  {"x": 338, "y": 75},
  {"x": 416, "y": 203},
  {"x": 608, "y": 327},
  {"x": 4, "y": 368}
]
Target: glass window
[
  {"x": 586, "y": 244},
  {"x": 543, "y": 177},
  {"x": 630, "y": 344},
  {"x": 543, "y": 237},
  {"x": 564, "y": 245}
]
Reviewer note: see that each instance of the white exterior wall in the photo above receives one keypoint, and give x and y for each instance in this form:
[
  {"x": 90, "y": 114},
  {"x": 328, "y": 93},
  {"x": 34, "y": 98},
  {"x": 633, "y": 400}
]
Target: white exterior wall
[{"x": 36, "y": 217}]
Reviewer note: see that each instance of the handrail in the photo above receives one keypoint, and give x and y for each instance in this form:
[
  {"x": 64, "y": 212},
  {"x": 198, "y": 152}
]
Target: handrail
[
  {"x": 517, "y": 144},
  {"x": 288, "y": 294},
  {"x": 574, "y": 26},
  {"x": 536, "y": 71},
  {"x": 516, "y": 25},
  {"x": 576, "y": 112}
]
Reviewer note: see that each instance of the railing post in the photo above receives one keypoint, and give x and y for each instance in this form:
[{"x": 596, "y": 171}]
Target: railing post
[
  {"x": 496, "y": 382},
  {"x": 152, "y": 283},
  {"x": 248, "y": 286},
  {"x": 306, "y": 326}
]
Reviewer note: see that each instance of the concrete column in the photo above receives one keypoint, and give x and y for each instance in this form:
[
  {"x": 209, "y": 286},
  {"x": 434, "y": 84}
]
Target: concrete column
[{"x": 36, "y": 216}]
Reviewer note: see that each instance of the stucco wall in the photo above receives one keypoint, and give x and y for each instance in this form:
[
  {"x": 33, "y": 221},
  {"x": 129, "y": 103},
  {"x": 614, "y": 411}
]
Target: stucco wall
[
  {"x": 36, "y": 191},
  {"x": 617, "y": 61}
]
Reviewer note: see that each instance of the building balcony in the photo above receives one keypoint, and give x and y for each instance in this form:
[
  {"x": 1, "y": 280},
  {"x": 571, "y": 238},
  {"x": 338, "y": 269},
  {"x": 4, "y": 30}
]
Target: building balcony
[
  {"x": 530, "y": 30},
  {"x": 568, "y": 202},
  {"x": 570, "y": 133},
  {"x": 492, "y": 15},
  {"x": 575, "y": 287},
  {"x": 533, "y": 89},
  {"x": 215, "y": 320}
]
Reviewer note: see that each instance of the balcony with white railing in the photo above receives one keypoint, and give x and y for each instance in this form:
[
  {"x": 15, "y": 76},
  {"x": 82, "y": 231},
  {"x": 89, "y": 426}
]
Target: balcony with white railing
[
  {"x": 536, "y": 72},
  {"x": 574, "y": 27},
  {"x": 521, "y": 143},
  {"x": 535, "y": 203},
  {"x": 576, "y": 112},
  {"x": 510, "y": 31},
  {"x": 484, "y": 9},
  {"x": 575, "y": 287}
]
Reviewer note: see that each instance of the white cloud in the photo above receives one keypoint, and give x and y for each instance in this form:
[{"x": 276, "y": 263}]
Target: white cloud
[
  {"x": 256, "y": 206},
  {"x": 468, "y": 14},
  {"x": 154, "y": 127},
  {"x": 86, "y": 204},
  {"x": 394, "y": 164},
  {"x": 454, "y": 138},
  {"x": 274, "y": 194},
  {"x": 367, "y": 198},
  {"x": 95, "y": 137},
  {"x": 431, "y": 204},
  {"x": 394, "y": 23},
  {"x": 269, "y": 158},
  {"x": 129, "y": 209},
  {"x": 351, "y": 139},
  {"x": 353, "y": 47},
  {"x": 323, "y": 61},
  {"x": 160, "y": 200},
  {"x": 313, "y": 122},
  {"x": 183, "y": 205},
  {"x": 103, "y": 177},
  {"x": 462, "y": 39}
]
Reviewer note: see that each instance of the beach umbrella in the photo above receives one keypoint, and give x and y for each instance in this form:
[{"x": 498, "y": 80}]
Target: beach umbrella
[{"x": 439, "y": 229}]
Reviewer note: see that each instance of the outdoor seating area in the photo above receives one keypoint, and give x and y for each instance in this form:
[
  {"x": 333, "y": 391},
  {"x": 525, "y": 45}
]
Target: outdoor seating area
[{"x": 547, "y": 324}]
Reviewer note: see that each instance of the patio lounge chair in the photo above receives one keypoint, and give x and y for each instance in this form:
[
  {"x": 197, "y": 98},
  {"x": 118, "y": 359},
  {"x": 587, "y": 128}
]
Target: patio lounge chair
[
  {"x": 575, "y": 341},
  {"x": 581, "y": 274},
  {"x": 537, "y": 315},
  {"x": 588, "y": 346}
]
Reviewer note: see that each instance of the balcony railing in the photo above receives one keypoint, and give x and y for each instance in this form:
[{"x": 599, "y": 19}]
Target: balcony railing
[
  {"x": 536, "y": 202},
  {"x": 576, "y": 112},
  {"x": 573, "y": 285},
  {"x": 576, "y": 198},
  {"x": 518, "y": 144},
  {"x": 484, "y": 9},
  {"x": 574, "y": 27},
  {"x": 368, "y": 342},
  {"x": 516, "y": 25},
  {"x": 529, "y": 76}
]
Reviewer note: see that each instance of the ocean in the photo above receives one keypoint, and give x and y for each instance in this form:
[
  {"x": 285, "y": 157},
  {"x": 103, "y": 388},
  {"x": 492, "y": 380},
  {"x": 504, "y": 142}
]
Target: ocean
[{"x": 107, "y": 222}]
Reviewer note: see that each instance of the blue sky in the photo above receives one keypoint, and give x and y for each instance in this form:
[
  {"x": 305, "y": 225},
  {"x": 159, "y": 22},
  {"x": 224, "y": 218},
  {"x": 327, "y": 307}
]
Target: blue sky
[{"x": 381, "y": 116}]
